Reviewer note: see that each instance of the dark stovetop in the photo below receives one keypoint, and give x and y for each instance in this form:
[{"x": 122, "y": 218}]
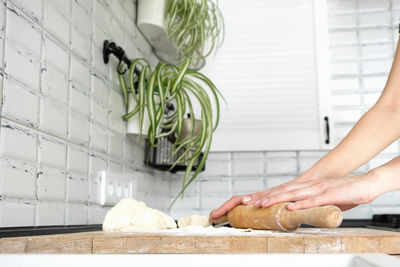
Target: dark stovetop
[{"x": 47, "y": 230}]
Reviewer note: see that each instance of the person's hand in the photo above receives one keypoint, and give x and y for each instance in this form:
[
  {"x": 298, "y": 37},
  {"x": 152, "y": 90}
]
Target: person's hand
[
  {"x": 345, "y": 192},
  {"x": 252, "y": 198}
]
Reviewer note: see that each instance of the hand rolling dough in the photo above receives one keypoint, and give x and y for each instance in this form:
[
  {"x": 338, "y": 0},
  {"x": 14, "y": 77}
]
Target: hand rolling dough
[
  {"x": 130, "y": 215},
  {"x": 194, "y": 220}
]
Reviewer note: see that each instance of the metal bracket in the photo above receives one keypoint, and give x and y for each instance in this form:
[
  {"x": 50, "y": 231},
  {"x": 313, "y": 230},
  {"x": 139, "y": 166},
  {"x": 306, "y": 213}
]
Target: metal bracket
[{"x": 110, "y": 48}]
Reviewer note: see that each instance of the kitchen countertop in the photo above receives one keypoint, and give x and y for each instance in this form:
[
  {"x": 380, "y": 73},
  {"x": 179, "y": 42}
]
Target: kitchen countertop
[
  {"x": 304, "y": 240},
  {"x": 199, "y": 260}
]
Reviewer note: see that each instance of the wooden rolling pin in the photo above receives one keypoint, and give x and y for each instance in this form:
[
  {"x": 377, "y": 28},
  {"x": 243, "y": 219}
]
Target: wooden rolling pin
[{"x": 277, "y": 217}]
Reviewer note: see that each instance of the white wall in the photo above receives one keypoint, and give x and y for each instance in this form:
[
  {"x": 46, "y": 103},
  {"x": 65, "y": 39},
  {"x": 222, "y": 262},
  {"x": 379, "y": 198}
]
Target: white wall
[
  {"x": 363, "y": 35},
  {"x": 61, "y": 111}
]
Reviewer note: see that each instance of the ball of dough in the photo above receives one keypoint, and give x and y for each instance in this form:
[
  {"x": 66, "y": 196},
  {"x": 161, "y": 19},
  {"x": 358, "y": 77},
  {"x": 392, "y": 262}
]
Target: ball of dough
[
  {"x": 194, "y": 220},
  {"x": 130, "y": 215}
]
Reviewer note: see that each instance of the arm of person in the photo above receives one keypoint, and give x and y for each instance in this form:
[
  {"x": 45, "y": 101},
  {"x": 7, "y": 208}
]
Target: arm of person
[
  {"x": 346, "y": 192},
  {"x": 376, "y": 130}
]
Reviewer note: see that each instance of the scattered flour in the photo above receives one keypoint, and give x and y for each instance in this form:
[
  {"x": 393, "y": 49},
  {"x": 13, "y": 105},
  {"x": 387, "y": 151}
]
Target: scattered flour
[
  {"x": 196, "y": 229},
  {"x": 210, "y": 230}
]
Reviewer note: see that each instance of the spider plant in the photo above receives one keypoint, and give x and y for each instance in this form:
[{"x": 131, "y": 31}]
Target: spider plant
[
  {"x": 153, "y": 90},
  {"x": 196, "y": 26}
]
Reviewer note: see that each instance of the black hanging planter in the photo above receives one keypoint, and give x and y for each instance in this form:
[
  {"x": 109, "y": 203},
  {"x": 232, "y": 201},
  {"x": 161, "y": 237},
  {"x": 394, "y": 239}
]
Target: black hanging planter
[{"x": 159, "y": 157}]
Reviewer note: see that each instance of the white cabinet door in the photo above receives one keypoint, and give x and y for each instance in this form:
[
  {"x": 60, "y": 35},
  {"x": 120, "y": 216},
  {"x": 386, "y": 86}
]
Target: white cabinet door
[{"x": 273, "y": 71}]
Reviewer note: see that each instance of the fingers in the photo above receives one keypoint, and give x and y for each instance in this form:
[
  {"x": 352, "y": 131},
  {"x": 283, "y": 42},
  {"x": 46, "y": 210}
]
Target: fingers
[
  {"x": 281, "y": 193},
  {"x": 227, "y": 206},
  {"x": 291, "y": 191},
  {"x": 234, "y": 201},
  {"x": 288, "y": 196},
  {"x": 251, "y": 198},
  {"x": 308, "y": 203},
  {"x": 326, "y": 198},
  {"x": 292, "y": 186}
]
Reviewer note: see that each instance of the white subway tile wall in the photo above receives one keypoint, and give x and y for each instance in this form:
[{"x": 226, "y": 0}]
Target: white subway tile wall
[
  {"x": 363, "y": 35},
  {"x": 61, "y": 112}
]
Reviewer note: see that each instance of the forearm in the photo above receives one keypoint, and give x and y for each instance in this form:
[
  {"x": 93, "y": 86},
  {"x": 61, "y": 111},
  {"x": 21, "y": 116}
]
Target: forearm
[
  {"x": 377, "y": 129},
  {"x": 388, "y": 175}
]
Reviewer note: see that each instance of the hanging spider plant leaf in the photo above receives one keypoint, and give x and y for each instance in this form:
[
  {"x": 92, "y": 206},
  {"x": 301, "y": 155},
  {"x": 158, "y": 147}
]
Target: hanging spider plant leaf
[
  {"x": 124, "y": 90},
  {"x": 151, "y": 106},
  {"x": 162, "y": 92},
  {"x": 142, "y": 97},
  {"x": 196, "y": 173},
  {"x": 206, "y": 122},
  {"x": 216, "y": 93},
  {"x": 171, "y": 131},
  {"x": 132, "y": 75},
  {"x": 132, "y": 113},
  {"x": 168, "y": 84},
  {"x": 193, "y": 24},
  {"x": 132, "y": 92},
  {"x": 180, "y": 111},
  {"x": 183, "y": 67},
  {"x": 191, "y": 112}
]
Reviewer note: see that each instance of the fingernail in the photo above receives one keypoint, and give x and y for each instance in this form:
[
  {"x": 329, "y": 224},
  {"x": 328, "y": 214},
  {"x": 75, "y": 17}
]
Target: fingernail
[
  {"x": 246, "y": 199},
  {"x": 265, "y": 201},
  {"x": 290, "y": 205},
  {"x": 257, "y": 203}
]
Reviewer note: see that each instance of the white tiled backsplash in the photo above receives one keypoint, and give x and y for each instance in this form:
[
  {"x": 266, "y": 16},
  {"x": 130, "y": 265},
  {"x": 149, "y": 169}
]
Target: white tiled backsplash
[{"x": 61, "y": 112}]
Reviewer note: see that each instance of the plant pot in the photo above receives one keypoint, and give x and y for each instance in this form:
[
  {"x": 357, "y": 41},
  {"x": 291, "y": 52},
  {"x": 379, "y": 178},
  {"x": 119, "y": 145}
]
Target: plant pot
[
  {"x": 188, "y": 128},
  {"x": 151, "y": 22},
  {"x": 132, "y": 124}
]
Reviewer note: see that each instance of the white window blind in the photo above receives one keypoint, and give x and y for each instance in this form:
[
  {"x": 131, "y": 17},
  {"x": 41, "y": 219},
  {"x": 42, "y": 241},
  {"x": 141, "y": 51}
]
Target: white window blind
[{"x": 272, "y": 70}]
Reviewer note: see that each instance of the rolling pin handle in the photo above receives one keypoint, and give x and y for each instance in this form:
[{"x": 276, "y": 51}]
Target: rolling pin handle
[{"x": 328, "y": 216}]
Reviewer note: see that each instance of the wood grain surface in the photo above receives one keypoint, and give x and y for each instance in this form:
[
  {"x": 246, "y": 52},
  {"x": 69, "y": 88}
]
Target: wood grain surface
[{"x": 304, "y": 240}]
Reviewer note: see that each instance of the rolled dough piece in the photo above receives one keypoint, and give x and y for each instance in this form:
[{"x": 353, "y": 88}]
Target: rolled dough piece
[
  {"x": 130, "y": 215},
  {"x": 194, "y": 220}
]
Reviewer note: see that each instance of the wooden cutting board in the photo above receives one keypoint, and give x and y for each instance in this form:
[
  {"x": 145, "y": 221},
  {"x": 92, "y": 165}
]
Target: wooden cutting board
[{"x": 304, "y": 240}]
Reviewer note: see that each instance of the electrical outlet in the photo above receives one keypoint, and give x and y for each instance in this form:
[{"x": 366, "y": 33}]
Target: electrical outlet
[
  {"x": 106, "y": 190},
  {"x": 127, "y": 189},
  {"x": 113, "y": 189}
]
